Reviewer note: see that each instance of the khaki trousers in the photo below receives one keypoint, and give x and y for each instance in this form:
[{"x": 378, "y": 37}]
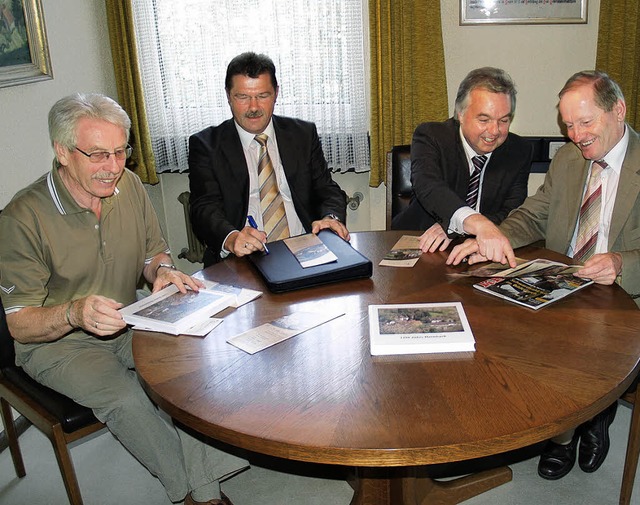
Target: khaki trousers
[{"x": 99, "y": 374}]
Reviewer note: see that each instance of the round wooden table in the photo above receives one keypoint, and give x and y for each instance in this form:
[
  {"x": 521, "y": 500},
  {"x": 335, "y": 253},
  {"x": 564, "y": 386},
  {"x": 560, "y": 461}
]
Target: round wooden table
[{"x": 321, "y": 397}]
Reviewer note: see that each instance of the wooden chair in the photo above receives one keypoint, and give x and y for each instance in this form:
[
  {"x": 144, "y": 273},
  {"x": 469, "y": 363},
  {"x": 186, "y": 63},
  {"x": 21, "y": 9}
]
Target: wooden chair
[
  {"x": 633, "y": 447},
  {"x": 58, "y": 417}
]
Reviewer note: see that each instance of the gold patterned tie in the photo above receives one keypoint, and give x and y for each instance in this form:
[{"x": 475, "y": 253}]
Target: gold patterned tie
[
  {"x": 274, "y": 218},
  {"x": 589, "y": 220}
]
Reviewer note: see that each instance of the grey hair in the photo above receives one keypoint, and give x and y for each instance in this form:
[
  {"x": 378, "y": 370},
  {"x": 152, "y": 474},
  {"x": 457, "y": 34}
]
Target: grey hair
[
  {"x": 492, "y": 79},
  {"x": 68, "y": 111},
  {"x": 606, "y": 91}
]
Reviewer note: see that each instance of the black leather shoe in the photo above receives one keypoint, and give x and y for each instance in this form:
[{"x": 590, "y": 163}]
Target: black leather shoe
[
  {"x": 594, "y": 439},
  {"x": 557, "y": 460}
]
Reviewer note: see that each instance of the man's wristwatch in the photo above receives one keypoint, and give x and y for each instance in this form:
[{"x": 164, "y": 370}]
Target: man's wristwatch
[
  {"x": 332, "y": 216},
  {"x": 166, "y": 265}
]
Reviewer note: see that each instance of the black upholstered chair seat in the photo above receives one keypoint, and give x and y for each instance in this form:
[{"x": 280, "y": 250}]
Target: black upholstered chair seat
[{"x": 71, "y": 415}]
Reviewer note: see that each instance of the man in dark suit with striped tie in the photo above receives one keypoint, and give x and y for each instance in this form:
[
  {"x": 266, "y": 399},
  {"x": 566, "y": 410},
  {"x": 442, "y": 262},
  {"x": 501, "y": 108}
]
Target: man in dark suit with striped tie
[
  {"x": 270, "y": 168},
  {"x": 468, "y": 172}
]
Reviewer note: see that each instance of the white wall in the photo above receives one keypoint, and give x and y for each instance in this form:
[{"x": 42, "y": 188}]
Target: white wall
[
  {"x": 81, "y": 61},
  {"x": 539, "y": 58}
]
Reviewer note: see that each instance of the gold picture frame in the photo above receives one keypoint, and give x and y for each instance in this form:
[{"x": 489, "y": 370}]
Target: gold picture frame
[
  {"x": 509, "y": 12},
  {"x": 24, "y": 51}
]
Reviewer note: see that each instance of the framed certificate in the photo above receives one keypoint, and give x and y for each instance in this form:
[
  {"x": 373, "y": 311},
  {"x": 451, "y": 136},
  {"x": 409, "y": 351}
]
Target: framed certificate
[{"x": 478, "y": 12}]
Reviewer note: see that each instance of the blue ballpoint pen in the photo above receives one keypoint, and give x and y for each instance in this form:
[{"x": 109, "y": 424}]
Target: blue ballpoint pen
[{"x": 253, "y": 224}]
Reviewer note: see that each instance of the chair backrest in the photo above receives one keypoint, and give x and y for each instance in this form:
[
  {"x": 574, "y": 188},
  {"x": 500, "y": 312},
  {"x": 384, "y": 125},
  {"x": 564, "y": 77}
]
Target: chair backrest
[
  {"x": 7, "y": 351},
  {"x": 398, "y": 181},
  {"x": 194, "y": 252}
]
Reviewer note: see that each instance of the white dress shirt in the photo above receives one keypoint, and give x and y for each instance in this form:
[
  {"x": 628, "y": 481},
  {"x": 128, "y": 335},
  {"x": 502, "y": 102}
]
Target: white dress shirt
[
  {"x": 610, "y": 178},
  {"x": 457, "y": 220},
  {"x": 251, "y": 150}
]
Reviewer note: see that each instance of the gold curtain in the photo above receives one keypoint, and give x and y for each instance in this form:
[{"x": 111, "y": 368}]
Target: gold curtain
[
  {"x": 619, "y": 50},
  {"x": 408, "y": 82},
  {"x": 129, "y": 84}
]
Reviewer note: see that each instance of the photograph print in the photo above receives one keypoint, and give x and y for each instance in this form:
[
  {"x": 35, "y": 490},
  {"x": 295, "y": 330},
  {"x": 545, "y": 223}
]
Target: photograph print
[{"x": 415, "y": 320}]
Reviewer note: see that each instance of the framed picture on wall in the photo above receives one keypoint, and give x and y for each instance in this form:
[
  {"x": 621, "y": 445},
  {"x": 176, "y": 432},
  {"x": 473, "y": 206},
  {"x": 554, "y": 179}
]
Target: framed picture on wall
[
  {"x": 507, "y": 12},
  {"x": 24, "y": 52}
]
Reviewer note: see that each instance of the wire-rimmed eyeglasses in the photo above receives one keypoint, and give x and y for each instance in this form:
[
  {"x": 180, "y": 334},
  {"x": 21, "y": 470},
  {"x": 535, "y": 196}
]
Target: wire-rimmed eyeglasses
[{"x": 101, "y": 156}]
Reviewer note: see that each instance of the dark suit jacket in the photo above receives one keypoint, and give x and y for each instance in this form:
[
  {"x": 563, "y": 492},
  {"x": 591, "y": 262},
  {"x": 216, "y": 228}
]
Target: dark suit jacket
[
  {"x": 551, "y": 214},
  {"x": 440, "y": 177},
  {"x": 219, "y": 180}
]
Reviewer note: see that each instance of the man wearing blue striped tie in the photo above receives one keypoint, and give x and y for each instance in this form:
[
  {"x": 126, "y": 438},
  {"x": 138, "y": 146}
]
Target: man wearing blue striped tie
[{"x": 469, "y": 172}]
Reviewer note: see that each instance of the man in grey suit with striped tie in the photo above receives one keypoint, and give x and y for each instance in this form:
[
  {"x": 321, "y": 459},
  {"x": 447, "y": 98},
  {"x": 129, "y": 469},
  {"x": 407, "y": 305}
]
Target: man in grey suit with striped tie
[
  {"x": 260, "y": 166},
  {"x": 589, "y": 209}
]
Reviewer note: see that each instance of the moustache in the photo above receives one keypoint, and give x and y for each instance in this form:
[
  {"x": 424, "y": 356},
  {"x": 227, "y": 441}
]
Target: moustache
[{"x": 254, "y": 114}]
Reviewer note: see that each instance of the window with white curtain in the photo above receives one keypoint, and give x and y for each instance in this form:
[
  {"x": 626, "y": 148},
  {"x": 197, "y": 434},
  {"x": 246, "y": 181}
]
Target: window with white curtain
[{"x": 318, "y": 49}]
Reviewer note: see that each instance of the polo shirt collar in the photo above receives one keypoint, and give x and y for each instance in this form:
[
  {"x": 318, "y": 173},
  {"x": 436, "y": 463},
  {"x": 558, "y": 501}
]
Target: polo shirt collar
[{"x": 61, "y": 197}]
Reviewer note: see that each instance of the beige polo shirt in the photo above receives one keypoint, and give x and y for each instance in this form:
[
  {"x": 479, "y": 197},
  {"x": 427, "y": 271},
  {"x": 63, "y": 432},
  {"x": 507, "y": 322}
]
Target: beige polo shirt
[{"x": 53, "y": 251}]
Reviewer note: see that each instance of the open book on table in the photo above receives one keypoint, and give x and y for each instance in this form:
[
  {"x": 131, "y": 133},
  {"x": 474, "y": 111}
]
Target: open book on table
[
  {"x": 534, "y": 284},
  {"x": 170, "y": 311}
]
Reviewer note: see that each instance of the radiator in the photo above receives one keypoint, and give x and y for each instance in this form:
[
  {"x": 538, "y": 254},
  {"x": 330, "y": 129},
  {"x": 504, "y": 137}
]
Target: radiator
[{"x": 195, "y": 250}]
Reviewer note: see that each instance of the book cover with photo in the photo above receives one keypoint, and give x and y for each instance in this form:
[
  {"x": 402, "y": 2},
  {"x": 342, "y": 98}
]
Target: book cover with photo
[
  {"x": 419, "y": 328},
  {"x": 534, "y": 291},
  {"x": 309, "y": 250},
  {"x": 405, "y": 252}
]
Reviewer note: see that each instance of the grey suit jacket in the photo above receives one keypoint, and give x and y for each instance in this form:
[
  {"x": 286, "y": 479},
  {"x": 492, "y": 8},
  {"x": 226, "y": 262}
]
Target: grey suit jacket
[{"x": 551, "y": 214}]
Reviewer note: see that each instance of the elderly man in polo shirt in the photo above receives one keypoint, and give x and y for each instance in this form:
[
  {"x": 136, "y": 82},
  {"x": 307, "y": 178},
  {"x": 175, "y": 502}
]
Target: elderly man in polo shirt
[{"x": 82, "y": 235}]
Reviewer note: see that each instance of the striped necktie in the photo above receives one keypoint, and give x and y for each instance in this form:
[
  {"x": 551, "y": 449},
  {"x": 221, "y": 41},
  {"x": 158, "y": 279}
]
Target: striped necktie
[
  {"x": 589, "y": 219},
  {"x": 474, "y": 181},
  {"x": 274, "y": 218}
]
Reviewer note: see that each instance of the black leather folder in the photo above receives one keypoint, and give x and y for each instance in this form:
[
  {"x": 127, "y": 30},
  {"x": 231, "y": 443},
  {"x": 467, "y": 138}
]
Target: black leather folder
[{"x": 282, "y": 271}]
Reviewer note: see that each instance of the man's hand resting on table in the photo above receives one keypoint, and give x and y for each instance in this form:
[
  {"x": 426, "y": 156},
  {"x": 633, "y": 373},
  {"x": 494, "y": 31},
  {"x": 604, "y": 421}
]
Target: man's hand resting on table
[
  {"x": 434, "y": 239},
  {"x": 329, "y": 223}
]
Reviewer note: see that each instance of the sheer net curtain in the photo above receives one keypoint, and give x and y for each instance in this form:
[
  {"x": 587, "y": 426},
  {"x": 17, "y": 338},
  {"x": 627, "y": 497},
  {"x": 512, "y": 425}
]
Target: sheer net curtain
[{"x": 316, "y": 45}]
